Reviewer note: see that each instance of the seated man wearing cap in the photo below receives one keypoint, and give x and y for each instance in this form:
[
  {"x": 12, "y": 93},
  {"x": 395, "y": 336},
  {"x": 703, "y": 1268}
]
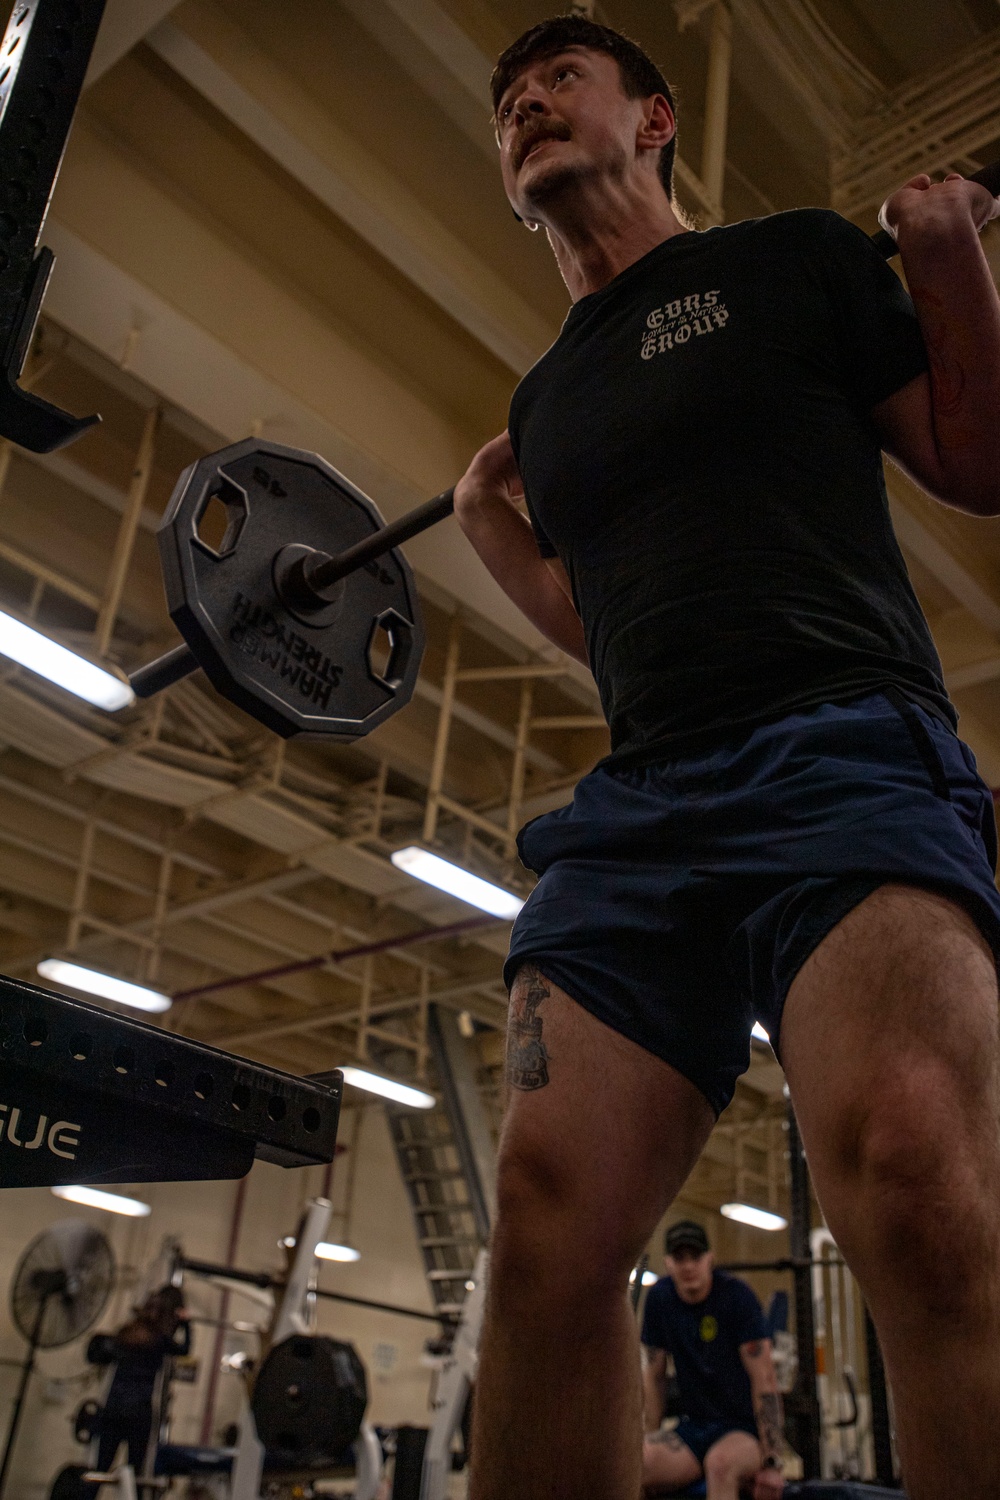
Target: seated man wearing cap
[{"x": 712, "y": 1327}]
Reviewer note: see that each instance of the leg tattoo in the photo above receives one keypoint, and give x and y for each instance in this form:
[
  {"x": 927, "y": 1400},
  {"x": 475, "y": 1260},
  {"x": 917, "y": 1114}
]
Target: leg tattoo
[
  {"x": 666, "y": 1440},
  {"x": 527, "y": 1059}
]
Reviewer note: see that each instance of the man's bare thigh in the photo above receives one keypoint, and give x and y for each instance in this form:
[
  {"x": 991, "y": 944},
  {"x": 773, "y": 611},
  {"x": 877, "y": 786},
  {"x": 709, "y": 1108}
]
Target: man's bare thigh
[
  {"x": 896, "y": 1009},
  {"x": 667, "y": 1463},
  {"x": 589, "y": 1101}
]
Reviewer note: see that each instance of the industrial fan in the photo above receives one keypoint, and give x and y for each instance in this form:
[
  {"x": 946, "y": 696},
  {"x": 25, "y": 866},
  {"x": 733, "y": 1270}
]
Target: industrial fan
[{"x": 61, "y": 1285}]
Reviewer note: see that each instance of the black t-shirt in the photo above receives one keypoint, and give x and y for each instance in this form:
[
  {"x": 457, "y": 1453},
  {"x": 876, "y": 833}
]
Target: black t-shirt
[
  {"x": 704, "y": 1339},
  {"x": 697, "y": 448}
]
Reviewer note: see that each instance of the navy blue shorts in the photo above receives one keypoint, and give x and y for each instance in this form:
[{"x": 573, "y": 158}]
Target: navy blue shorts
[
  {"x": 700, "y": 1436},
  {"x": 678, "y": 900}
]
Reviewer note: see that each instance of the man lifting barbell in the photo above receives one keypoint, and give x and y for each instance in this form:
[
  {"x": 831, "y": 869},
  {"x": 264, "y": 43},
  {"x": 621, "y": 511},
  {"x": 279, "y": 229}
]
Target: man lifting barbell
[{"x": 788, "y": 826}]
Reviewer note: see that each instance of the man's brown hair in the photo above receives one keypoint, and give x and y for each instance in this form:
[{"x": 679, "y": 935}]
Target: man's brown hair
[{"x": 640, "y": 76}]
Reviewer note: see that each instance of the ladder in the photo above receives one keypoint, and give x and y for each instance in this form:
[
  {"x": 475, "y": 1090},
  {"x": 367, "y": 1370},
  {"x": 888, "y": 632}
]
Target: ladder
[
  {"x": 440, "y": 1200},
  {"x": 447, "y": 1160}
]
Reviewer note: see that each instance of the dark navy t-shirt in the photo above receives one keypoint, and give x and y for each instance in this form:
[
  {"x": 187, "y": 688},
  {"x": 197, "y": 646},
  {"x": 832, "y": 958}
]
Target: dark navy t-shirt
[
  {"x": 697, "y": 447},
  {"x": 704, "y": 1339}
]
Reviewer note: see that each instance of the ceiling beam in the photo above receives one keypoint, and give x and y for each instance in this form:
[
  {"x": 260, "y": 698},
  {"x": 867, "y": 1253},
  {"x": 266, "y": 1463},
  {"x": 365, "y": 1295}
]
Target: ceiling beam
[
  {"x": 72, "y": 473},
  {"x": 440, "y": 58},
  {"x": 101, "y": 303},
  {"x": 125, "y": 22},
  {"x": 926, "y": 125},
  {"x": 918, "y": 539},
  {"x": 354, "y": 185},
  {"x": 809, "y": 58},
  {"x": 973, "y": 674},
  {"x": 464, "y": 991}
]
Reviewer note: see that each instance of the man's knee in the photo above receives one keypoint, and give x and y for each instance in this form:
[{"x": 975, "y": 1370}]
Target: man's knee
[
  {"x": 919, "y": 1155},
  {"x": 720, "y": 1468},
  {"x": 918, "y": 1136},
  {"x": 554, "y": 1224},
  {"x": 733, "y": 1458}
]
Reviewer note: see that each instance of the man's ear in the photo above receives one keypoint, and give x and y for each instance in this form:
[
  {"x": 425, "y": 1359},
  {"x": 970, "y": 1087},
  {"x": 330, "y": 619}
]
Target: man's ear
[{"x": 658, "y": 126}]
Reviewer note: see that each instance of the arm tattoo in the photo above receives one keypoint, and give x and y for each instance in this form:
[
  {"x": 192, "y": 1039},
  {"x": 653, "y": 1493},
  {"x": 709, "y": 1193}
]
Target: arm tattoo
[
  {"x": 753, "y": 1350},
  {"x": 770, "y": 1423},
  {"x": 527, "y": 1059}
]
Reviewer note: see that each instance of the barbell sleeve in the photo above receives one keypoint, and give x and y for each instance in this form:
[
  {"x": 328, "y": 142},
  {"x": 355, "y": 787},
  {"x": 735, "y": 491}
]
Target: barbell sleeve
[
  {"x": 163, "y": 672},
  {"x": 987, "y": 177},
  {"x": 323, "y": 575}
]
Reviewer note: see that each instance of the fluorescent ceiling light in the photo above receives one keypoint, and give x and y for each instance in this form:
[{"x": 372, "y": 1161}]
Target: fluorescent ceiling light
[
  {"x": 326, "y": 1251},
  {"x": 457, "y": 882},
  {"x": 39, "y": 653},
  {"x": 759, "y": 1034},
  {"x": 76, "y": 977},
  {"x": 649, "y": 1278},
  {"x": 114, "y": 1203},
  {"x": 399, "y": 1093},
  {"x": 745, "y": 1213}
]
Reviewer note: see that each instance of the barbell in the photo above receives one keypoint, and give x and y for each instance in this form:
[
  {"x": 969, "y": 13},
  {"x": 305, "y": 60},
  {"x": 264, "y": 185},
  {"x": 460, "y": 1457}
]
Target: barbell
[{"x": 320, "y": 635}]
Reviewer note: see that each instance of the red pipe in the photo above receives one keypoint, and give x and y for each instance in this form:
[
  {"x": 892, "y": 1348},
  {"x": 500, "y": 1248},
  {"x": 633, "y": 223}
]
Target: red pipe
[{"x": 425, "y": 935}]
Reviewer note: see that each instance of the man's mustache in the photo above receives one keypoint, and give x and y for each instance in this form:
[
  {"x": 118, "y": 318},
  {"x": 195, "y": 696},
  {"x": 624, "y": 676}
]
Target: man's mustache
[{"x": 551, "y": 130}]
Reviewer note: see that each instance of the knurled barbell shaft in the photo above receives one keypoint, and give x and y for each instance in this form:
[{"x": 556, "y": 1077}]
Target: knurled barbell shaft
[{"x": 323, "y": 575}]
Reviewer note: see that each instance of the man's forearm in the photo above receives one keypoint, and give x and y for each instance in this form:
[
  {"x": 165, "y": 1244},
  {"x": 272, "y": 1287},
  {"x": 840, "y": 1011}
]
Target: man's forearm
[
  {"x": 769, "y": 1416},
  {"x": 959, "y": 311},
  {"x": 654, "y": 1392},
  {"x": 505, "y": 542}
]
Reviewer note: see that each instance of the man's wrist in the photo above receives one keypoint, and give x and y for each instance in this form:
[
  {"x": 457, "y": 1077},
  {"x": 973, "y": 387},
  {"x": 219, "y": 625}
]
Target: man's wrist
[{"x": 933, "y": 227}]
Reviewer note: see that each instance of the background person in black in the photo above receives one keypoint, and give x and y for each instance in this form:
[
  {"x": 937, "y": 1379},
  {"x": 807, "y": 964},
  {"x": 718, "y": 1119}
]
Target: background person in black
[
  {"x": 872, "y": 955},
  {"x": 712, "y": 1328},
  {"x": 158, "y": 1331}
]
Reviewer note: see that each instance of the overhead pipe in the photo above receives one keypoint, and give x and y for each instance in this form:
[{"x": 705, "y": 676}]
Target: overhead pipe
[{"x": 337, "y": 956}]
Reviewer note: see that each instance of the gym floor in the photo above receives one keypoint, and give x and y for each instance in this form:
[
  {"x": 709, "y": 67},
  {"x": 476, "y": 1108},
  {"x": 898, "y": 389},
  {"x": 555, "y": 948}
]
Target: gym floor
[{"x": 250, "y": 243}]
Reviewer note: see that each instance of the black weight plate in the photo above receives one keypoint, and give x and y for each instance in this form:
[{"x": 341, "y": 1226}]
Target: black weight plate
[
  {"x": 68, "y": 1484},
  {"x": 320, "y": 678},
  {"x": 309, "y": 1399}
]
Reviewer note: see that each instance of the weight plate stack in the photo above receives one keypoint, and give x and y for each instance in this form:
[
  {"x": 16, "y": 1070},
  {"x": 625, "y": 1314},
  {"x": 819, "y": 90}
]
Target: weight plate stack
[{"x": 335, "y": 672}]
